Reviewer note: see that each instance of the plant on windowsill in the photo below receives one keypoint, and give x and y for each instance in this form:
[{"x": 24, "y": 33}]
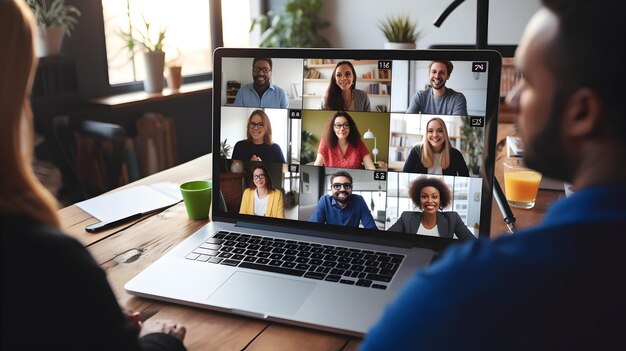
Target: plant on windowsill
[
  {"x": 400, "y": 31},
  {"x": 297, "y": 24},
  {"x": 153, "y": 52},
  {"x": 54, "y": 20}
]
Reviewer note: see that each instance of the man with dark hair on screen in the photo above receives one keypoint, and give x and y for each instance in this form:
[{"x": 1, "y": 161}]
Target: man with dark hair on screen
[
  {"x": 558, "y": 285},
  {"x": 343, "y": 207},
  {"x": 261, "y": 92}
]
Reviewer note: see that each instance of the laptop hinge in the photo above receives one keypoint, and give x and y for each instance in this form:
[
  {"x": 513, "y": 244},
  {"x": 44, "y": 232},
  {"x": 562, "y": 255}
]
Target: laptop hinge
[{"x": 327, "y": 235}]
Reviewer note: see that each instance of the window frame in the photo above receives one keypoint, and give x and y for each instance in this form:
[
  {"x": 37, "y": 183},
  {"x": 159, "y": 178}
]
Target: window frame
[{"x": 215, "y": 16}]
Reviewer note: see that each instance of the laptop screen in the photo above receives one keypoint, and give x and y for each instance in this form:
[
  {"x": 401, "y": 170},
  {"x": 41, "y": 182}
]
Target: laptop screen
[{"x": 386, "y": 143}]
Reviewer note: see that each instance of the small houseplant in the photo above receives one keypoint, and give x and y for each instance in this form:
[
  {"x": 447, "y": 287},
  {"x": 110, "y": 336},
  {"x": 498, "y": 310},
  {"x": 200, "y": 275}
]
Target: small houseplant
[
  {"x": 153, "y": 53},
  {"x": 296, "y": 24},
  {"x": 55, "y": 19},
  {"x": 400, "y": 31}
]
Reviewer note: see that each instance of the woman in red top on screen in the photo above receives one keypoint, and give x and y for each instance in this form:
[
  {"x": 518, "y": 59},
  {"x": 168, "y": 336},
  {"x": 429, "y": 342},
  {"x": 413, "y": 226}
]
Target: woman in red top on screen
[{"x": 342, "y": 145}]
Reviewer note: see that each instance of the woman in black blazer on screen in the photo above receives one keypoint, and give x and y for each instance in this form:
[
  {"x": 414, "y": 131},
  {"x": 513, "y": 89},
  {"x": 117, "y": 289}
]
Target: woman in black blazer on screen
[
  {"x": 435, "y": 155},
  {"x": 431, "y": 195}
]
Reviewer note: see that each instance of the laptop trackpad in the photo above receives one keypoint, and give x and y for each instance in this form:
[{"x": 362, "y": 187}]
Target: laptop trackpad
[{"x": 262, "y": 294}]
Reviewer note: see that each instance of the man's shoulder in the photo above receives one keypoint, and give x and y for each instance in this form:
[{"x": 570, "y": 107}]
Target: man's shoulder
[
  {"x": 452, "y": 92},
  {"x": 277, "y": 88}
]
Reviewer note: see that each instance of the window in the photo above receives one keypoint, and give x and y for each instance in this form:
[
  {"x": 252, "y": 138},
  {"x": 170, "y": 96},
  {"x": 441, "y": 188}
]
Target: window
[{"x": 188, "y": 36}]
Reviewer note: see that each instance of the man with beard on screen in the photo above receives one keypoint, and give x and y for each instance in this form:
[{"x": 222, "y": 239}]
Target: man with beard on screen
[
  {"x": 438, "y": 99},
  {"x": 342, "y": 207},
  {"x": 261, "y": 92}
]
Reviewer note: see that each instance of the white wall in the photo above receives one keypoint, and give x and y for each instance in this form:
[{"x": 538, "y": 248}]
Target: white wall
[{"x": 354, "y": 23}]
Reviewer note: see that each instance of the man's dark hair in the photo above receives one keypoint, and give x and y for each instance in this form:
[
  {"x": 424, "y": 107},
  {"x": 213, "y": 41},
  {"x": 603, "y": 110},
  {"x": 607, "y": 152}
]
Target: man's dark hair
[
  {"x": 340, "y": 174},
  {"x": 266, "y": 59},
  {"x": 587, "y": 52},
  {"x": 416, "y": 186}
]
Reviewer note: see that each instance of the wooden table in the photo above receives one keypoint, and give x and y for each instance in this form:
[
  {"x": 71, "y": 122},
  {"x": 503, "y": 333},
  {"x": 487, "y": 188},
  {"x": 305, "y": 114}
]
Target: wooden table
[{"x": 125, "y": 251}]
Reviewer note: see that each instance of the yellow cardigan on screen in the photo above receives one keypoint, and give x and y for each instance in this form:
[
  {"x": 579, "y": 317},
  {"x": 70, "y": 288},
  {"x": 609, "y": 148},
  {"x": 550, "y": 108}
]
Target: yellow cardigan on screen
[{"x": 274, "y": 208}]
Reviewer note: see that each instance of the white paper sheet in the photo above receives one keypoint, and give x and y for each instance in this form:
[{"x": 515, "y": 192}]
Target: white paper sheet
[{"x": 127, "y": 202}]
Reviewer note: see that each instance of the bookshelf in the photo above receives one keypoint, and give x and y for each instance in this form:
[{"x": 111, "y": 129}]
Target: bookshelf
[{"x": 375, "y": 82}]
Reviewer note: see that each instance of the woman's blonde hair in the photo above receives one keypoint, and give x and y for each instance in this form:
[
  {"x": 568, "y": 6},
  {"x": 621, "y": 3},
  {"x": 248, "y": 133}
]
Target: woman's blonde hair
[
  {"x": 20, "y": 191},
  {"x": 428, "y": 158}
]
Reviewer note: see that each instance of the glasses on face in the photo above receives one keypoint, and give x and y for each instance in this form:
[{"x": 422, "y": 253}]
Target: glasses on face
[
  {"x": 337, "y": 186},
  {"x": 340, "y": 125},
  {"x": 253, "y": 125},
  {"x": 258, "y": 176},
  {"x": 261, "y": 69}
]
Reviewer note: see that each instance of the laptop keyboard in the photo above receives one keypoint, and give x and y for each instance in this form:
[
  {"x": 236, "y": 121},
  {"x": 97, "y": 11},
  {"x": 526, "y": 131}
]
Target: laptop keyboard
[{"x": 372, "y": 269}]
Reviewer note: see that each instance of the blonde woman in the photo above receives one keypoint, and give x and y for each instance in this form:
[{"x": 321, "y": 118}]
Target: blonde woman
[
  {"x": 49, "y": 280},
  {"x": 435, "y": 155}
]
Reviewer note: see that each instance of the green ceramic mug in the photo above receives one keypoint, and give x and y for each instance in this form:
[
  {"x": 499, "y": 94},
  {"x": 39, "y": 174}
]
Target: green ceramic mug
[{"x": 197, "y": 198}]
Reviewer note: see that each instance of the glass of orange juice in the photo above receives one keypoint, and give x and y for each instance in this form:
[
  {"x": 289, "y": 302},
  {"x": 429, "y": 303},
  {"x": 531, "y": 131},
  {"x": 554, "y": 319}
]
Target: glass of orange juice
[{"x": 520, "y": 183}]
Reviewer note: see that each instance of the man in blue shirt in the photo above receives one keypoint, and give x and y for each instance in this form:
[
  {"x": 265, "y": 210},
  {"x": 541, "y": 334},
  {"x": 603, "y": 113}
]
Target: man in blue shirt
[
  {"x": 343, "y": 207},
  {"x": 559, "y": 285},
  {"x": 261, "y": 93}
]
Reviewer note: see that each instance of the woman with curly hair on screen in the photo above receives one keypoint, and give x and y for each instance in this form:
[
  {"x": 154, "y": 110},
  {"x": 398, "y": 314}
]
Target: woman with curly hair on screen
[{"x": 431, "y": 195}]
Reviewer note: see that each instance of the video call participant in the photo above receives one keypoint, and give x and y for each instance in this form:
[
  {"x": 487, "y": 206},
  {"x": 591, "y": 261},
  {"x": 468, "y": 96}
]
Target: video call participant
[
  {"x": 341, "y": 94},
  {"x": 435, "y": 155},
  {"x": 261, "y": 92},
  {"x": 258, "y": 146},
  {"x": 343, "y": 207},
  {"x": 557, "y": 285},
  {"x": 261, "y": 198},
  {"x": 438, "y": 99},
  {"x": 342, "y": 146},
  {"x": 55, "y": 296},
  {"x": 431, "y": 195}
]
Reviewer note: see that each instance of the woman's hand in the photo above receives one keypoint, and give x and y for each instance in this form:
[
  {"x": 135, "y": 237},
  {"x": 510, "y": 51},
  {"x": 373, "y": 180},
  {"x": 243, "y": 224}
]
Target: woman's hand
[
  {"x": 133, "y": 318},
  {"x": 255, "y": 158},
  {"x": 164, "y": 326}
]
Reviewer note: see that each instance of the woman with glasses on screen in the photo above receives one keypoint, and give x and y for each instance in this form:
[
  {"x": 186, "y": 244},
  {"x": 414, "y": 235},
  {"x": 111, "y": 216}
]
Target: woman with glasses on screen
[
  {"x": 258, "y": 146},
  {"x": 261, "y": 198},
  {"x": 342, "y": 145},
  {"x": 342, "y": 94},
  {"x": 435, "y": 155}
]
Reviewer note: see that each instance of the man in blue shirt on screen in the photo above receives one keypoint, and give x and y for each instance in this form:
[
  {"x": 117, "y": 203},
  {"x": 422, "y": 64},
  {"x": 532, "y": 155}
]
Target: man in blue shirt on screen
[
  {"x": 261, "y": 92},
  {"x": 558, "y": 285},
  {"x": 343, "y": 207}
]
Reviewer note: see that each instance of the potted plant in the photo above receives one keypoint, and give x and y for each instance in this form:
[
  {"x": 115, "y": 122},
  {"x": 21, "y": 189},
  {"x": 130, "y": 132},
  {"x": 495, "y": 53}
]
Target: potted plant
[
  {"x": 54, "y": 20},
  {"x": 153, "y": 53},
  {"x": 296, "y": 24},
  {"x": 400, "y": 31}
]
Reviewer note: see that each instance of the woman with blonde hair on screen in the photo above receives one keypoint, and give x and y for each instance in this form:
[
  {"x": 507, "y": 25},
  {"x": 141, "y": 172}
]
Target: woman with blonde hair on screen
[
  {"x": 435, "y": 155},
  {"x": 54, "y": 294}
]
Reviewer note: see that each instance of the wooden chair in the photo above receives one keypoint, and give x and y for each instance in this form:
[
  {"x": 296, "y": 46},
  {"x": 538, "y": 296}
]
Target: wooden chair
[{"x": 94, "y": 151}]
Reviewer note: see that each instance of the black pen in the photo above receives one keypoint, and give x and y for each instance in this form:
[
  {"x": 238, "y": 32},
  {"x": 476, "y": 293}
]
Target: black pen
[
  {"x": 505, "y": 209},
  {"x": 99, "y": 226}
]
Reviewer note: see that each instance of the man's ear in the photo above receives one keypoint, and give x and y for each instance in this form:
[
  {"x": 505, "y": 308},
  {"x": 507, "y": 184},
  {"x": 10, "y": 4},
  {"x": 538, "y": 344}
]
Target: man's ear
[{"x": 583, "y": 113}]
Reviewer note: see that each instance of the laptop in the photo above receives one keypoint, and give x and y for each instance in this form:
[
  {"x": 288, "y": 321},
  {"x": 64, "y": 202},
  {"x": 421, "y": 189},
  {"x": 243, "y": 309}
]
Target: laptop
[{"x": 280, "y": 247}]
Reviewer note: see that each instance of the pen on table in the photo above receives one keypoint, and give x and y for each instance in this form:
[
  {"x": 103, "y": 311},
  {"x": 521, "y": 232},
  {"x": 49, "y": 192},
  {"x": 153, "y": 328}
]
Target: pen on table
[
  {"x": 99, "y": 226},
  {"x": 96, "y": 227},
  {"x": 503, "y": 205}
]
